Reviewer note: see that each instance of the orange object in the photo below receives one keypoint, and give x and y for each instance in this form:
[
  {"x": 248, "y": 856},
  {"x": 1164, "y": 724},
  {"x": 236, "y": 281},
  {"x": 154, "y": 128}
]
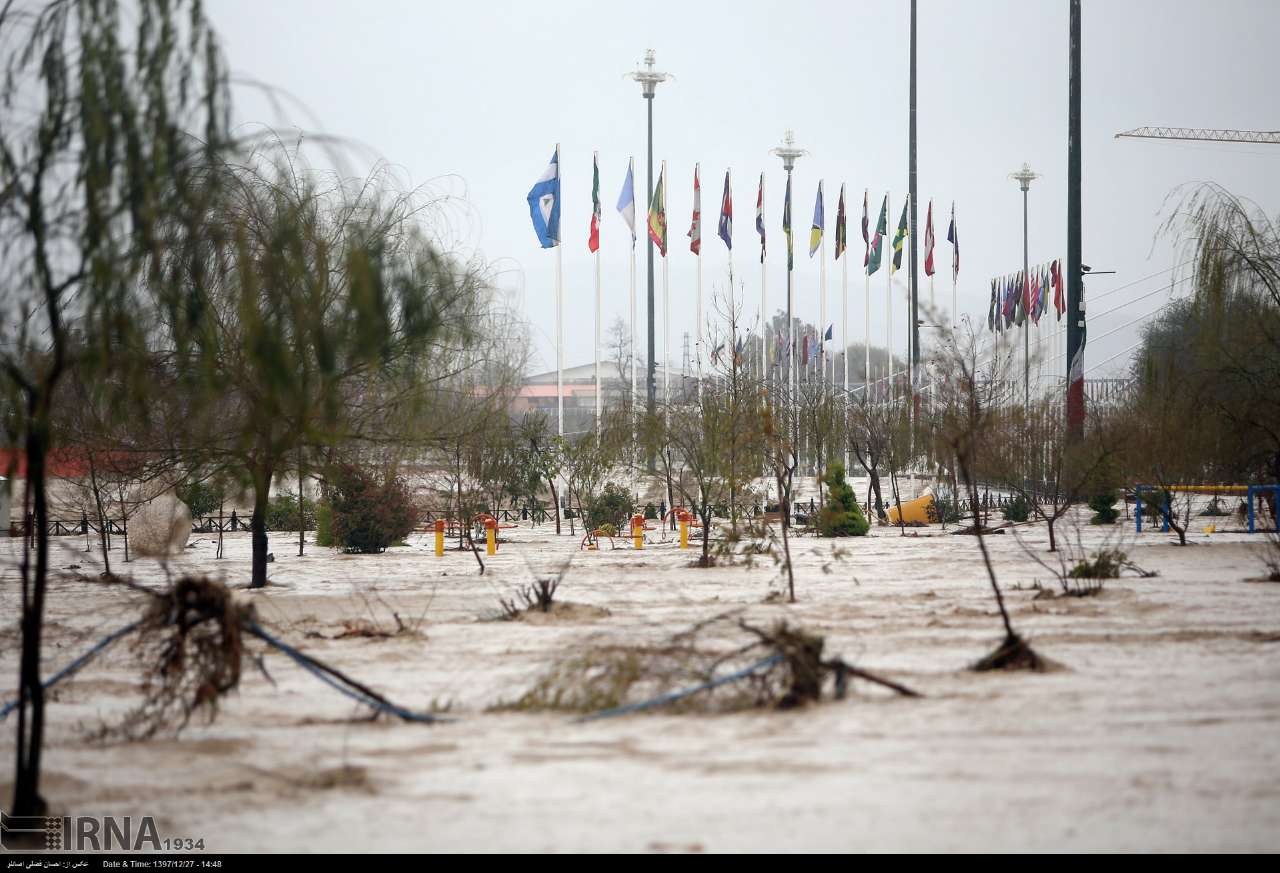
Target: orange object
[
  {"x": 439, "y": 537},
  {"x": 491, "y": 535},
  {"x": 637, "y": 530}
]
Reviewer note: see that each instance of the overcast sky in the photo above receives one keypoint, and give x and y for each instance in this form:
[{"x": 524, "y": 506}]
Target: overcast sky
[{"x": 473, "y": 97}]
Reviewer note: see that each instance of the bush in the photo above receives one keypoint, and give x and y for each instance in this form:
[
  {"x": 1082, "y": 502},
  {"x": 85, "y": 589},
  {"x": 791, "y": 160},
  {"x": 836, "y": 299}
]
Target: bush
[
  {"x": 369, "y": 514},
  {"x": 324, "y": 523},
  {"x": 202, "y": 498},
  {"x": 1017, "y": 509},
  {"x": 1105, "y": 564},
  {"x": 1103, "y": 506},
  {"x": 650, "y": 511},
  {"x": 282, "y": 513},
  {"x": 841, "y": 516},
  {"x": 613, "y": 508}
]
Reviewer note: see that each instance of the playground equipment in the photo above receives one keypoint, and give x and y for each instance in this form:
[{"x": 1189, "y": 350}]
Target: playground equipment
[
  {"x": 922, "y": 510},
  {"x": 490, "y": 536},
  {"x": 637, "y": 530},
  {"x": 1249, "y": 492},
  {"x": 439, "y": 537}
]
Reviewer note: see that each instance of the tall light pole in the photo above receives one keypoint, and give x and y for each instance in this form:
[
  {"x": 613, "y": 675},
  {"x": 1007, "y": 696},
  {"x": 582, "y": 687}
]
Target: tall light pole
[
  {"x": 789, "y": 154},
  {"x": 1075, "y": 274},
  {"x": 649, "y": 79},
  {"x": 914, "y": 364},
  {"x": 1024, "y": 178}
]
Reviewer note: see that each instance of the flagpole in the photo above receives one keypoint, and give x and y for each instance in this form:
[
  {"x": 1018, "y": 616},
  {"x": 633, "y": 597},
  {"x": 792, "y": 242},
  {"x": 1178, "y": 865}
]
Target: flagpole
[
  {"x": 888, "y": 302},
  {"x": 764, "y": 367},
  {"x": 595, "y": 156},
  {"x": 559, "y": 324},
  {"x": 666, "y": 305},
  {"x": 697, "y": 175},
  {"x": 630, "y": 171},
  {"x": 822, "y": 296},
  {"x": 844, "y": 306},
  {"x": 866, "y": 322}
]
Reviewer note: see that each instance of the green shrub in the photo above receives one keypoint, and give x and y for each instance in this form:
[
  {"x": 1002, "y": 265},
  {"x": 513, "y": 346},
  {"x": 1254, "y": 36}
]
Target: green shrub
[
  {"x": 1017, "y": 509},
  {"x": 841, "y": 516},
  {"x": 202, "y": 498},
  {"x": 650, "y": 511},
  {"x": 612, "y": 507},
  {"x": 1106, "y": 564},
  {"x": 369, "y": 514},
  {"x": 282, "y": 513},
  {"x": 324, "y": 523},
  {"x": 1103, "y": 506}
]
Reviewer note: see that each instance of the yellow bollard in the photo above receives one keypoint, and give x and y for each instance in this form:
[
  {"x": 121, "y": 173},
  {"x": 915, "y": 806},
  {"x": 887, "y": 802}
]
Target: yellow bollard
[
  {"x": 491, "y": 536},
  {"x": 637, "y": 530},
  {"x": 684, "y": 531},
  {"x": 439, "y": 537}
]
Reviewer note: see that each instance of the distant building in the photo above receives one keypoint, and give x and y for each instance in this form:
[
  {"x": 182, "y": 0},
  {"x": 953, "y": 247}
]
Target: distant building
[{"x": 538, "y": 393}]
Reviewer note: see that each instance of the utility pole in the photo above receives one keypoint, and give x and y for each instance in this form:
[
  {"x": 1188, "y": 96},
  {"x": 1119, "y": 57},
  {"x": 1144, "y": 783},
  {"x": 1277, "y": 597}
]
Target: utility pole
[
  {"x": 1024, "y": 177},
  {"x": 649, "y": 79},
  {"x": 1075, "y": 275}
]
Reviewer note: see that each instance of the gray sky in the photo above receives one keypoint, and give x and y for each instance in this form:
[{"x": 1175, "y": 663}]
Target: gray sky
[{"x": 481, "y": 92}]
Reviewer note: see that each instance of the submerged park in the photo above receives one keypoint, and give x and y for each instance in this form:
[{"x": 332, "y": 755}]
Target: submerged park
[{"x": 313, "y": 543}]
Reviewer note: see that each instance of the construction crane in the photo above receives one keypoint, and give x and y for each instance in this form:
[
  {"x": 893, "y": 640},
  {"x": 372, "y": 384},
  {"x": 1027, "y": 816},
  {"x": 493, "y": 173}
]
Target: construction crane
[{"x": 1269, "y": 137}]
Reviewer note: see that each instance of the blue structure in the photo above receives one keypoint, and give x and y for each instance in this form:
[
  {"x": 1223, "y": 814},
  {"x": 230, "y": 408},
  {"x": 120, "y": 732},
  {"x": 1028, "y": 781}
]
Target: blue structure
[
  {"x": 1258, "y": 489},
  {"x": 1137, "y": 493}
]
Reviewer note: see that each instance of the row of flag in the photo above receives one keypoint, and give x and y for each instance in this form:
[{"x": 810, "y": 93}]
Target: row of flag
[
  {"x": 544, "y": 207},
  {"x": 1025, "y": 294}
]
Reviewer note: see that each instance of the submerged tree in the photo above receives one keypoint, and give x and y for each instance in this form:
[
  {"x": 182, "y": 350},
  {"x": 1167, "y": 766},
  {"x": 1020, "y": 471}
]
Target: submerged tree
[{"x": 107, "y": 124}]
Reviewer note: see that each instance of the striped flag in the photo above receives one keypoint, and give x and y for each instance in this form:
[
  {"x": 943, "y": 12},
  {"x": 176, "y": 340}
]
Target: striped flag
[
  {"x": 627, "y": 203},
  {"x": 928, "y": 241},
  {"x": 786, "y": 224},
  {"x": 900, "y": 237},
  {"x": 842, "y": 231},
  {"x": 695, "y": 229},
  {"x": 544, "y": 203},
  {"x": 876, "y": 246},
  {"x": 760, "y": 217},
  {"x": 953, "y": 237},
  {"x": 726, "y": 215},
  {"x": 593, "y": 241},
  {"x": 658, "y": 216},
  {"x": 866, "y": 239},
  {"x": 819, "y": 219}
]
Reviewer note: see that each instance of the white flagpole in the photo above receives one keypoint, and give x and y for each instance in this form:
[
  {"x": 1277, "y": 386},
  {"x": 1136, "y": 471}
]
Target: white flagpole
[
  {"x": 559, "y": 323},
  {"x": 764, "y": 357},
  {"x": 630, "y": 169},
  {"x": 888, "y": 296},
  {"x": 822, "y": 297},
  {"x": 697, "y": 174},
  {"x": 595, "y": 156},
  {"x": 866, "y": 346},
  {"x": 844, "y": 309},
  {"x": 666, "y": 303},
  {"x": 955, "y": 316}
]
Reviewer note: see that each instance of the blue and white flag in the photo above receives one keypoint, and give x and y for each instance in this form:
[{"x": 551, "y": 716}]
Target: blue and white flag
[
  {"x": 627, "y": 204},
  {"x": 544, "y": 204}
]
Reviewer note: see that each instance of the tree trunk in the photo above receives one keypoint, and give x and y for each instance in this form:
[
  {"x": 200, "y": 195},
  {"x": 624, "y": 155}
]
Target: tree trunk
[
  {"x": 30, "y": 740},
  {"x": 102, "y": 519},
  {"x": 258, "y": 526},
  {"x": 875, "y": 489},
  {"x": 555, "y": 501},
  {"x": 302, "y": 516},
  {"x": 1053, "y": 545}
]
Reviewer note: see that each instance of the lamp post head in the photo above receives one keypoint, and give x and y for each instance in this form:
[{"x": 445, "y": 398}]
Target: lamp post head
[
  {"x": 1024, "y": 177},
  {"x": 648, "y": 77},
  {"x": 788, "y": 151}
]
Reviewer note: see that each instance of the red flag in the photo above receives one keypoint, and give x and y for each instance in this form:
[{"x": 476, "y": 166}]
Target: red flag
[
  {"x": 928, "y": 241},
  {"x": 1059, "y": 303},
  {"x": 695, "y": 230}
]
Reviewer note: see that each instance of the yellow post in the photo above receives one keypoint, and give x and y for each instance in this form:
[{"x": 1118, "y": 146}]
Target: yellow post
[
  {"x": 637, "y": 530},
  {"x": 684, "y": 532},
  {"x": 439, "y": 537},
  {"x": 491, "y": 536}
]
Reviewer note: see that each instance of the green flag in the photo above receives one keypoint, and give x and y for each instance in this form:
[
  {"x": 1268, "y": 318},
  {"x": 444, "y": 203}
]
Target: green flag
[
  {"x": 899, "y": 238},
  {"x": 877, "y": 241}
]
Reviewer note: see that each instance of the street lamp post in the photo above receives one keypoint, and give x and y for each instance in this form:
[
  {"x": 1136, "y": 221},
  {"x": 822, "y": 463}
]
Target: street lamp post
[
  {"x": 789, "y": 154},
  {"x": 1024, "y": 177},
  {"x": 649, "y": 79}
]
